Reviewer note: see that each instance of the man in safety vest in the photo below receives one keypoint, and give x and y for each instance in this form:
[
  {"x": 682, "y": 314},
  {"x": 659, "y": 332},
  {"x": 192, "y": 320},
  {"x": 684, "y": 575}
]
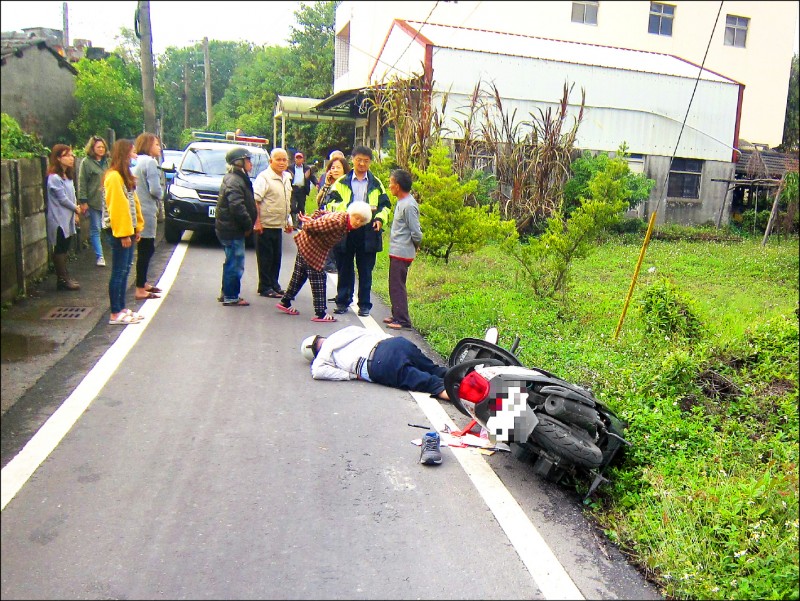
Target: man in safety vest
[{"x": 363, "y": 244}]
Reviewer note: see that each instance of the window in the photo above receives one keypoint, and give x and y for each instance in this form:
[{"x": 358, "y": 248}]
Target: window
[
  {"x": 636, "y": 163},
  {"x": 736, "y": 31},
  {"x": 684, "y": 178},
  {"x": 661, "y": 16},
  {"x": 584, "y": 12},
  {"x": 342, "y": 52}
]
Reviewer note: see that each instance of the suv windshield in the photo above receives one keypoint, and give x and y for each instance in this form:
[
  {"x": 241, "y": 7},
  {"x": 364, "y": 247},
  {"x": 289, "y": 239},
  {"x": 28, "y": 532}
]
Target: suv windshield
[{"x": 211, "y": 161}]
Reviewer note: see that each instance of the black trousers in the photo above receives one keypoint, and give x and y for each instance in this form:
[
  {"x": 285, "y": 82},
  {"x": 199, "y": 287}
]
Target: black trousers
[
  {"x": 268, "y": 257},
  {"x": 144, "y": 252}
]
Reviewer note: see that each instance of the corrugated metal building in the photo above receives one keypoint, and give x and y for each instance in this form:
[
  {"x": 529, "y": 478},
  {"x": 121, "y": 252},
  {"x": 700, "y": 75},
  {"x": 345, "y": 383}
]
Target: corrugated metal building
[{"x": 636, "y": 97}]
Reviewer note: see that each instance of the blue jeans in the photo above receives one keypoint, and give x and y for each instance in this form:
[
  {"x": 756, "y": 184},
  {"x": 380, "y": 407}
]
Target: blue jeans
[
  {"x": 121, "y": 259},
  {"x": 399, "y": 363},
  {"x": 95, "y": 225},
  {"x": 232, "y": 268}
]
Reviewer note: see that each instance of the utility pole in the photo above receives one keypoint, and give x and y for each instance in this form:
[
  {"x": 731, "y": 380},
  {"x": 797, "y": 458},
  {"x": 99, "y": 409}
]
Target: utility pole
[
  {"x": 186, "y": 96},
  {"x": 207, "y": 58},
  {"x": 65, "y": 14},
  {"x": 145, "y": 36}
]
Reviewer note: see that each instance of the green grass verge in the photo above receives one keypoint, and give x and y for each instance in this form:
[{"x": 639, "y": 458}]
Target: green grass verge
[{"x": 706, "y": 501}]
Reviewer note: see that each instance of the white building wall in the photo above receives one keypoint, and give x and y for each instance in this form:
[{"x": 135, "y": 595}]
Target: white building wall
[
  {"x": 642, "y": 109},
  {"x": 763, "y": 66}
]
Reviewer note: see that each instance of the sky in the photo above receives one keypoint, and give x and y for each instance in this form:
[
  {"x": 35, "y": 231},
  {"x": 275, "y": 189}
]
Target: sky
[{"x": 173, "y": 23}]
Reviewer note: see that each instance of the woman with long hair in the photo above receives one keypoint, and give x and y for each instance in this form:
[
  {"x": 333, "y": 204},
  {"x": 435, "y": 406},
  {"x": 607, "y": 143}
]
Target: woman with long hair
[
  {"x": 90, "y": 191},
  {"x": 125, "y": 225},
  {"x": 337, "y": 167},
  {"x": 149, "y": 191},
  {"x": 62, "y": 210}
]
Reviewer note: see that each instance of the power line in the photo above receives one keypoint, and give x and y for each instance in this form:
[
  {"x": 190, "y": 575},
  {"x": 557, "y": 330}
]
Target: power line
[
  {"x": 424, "y": 23},
  {"x": 688, "y": 108}
]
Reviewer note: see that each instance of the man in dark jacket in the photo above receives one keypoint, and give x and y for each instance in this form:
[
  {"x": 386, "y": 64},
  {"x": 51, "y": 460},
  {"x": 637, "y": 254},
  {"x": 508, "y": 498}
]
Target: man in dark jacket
[
  {"x": 235, "y": 219},
  {"x": 302, "y": 179},
  {"x": 364, "y": 244}
]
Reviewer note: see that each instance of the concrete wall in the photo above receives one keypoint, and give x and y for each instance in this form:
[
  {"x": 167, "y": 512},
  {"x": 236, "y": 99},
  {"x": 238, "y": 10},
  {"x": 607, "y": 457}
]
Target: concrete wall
[
  {"x": 24, "y": 253},
  {"x": 39, "y": 93},
  {"x": 714, "y": 196}
]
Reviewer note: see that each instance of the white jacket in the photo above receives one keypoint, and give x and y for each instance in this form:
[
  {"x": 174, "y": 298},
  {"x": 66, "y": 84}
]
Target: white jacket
[{"x": 339, "y": 356}]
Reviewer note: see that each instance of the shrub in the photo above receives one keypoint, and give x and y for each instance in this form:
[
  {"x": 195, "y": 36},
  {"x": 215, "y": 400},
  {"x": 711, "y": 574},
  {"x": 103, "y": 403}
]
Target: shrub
[
  {"x": 668, "y": 312},
  {"x": 16, "y": 144}
]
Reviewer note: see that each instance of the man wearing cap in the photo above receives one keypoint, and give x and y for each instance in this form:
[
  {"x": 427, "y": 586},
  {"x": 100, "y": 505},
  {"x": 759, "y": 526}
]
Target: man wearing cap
[
  {"x": 356, "y": 353},
  {"x": 301, "y": 186},
  {"x": 235, "y": 220}
]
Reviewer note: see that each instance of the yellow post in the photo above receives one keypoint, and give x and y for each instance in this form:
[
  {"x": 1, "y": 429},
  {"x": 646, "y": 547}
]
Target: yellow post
[{"x": 636, "y": 272}]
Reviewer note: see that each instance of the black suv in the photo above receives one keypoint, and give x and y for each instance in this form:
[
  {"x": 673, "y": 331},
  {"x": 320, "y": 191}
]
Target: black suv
[{"x": 192, "y": 196}]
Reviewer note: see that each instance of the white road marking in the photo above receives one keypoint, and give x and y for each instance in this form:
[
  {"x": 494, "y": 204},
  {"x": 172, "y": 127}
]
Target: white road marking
[
  {"x": 17, "y": 471},
  {"x": 547, "y": 572},
  {"x": 545, "y": 569}
]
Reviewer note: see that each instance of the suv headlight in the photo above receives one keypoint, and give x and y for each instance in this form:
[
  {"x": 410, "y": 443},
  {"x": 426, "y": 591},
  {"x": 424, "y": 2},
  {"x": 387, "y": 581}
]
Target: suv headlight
[{"x": 183, "y": 192}]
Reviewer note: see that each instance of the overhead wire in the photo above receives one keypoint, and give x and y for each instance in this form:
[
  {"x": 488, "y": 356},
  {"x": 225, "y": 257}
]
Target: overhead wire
[
  {"x": 419, "y": 29},
  {"x": 666, "y": 182}
]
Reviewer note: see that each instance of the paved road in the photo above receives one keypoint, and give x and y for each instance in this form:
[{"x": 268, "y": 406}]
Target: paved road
[{"x": 208, "y": 464}]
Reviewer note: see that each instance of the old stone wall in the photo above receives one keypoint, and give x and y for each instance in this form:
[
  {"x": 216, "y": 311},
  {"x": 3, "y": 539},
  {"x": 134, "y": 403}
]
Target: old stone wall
[{"x": 24, "y": 252}]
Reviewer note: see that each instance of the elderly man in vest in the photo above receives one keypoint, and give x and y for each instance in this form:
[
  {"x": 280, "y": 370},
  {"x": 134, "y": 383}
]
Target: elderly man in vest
[{"x": 361, "y": 245}]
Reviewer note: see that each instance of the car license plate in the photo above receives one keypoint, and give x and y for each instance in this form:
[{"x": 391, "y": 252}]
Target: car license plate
[{"x": 212, "y": 212}]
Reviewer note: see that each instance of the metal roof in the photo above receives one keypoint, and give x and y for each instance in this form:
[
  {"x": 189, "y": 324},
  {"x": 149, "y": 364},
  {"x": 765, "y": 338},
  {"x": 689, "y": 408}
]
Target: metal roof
[{"x": 510, "y": 44}]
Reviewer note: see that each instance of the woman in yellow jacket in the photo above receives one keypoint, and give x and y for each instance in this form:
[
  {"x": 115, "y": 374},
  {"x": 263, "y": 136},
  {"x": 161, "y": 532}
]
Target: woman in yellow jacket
[{"x": 124, "y": 225}]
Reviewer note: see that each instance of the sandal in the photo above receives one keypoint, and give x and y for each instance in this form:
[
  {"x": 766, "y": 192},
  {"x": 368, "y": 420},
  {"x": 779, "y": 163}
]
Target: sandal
[
  {"x": 396, "y": 326},
  {"x": 153, "y": 289},
  {"x": 239, "y": 302},
  {"x": 273, "y": 294},
  {"x": 388, "y": 319},
  {"x": 287, "y": 310},
  {"x": 148, "y": 296},
  {"x": 327, "y": 318},
  {"x": 123, "y": 319},
  {"x": 133, "y": 314}
]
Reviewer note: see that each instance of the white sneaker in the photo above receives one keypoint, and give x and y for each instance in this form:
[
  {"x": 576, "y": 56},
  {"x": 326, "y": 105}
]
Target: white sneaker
[{"x": 101, "y": 262}]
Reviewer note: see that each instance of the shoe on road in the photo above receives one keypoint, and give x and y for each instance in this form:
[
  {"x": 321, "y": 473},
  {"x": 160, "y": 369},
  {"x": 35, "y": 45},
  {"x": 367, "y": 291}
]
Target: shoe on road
[{"x": 431, "y": 453}]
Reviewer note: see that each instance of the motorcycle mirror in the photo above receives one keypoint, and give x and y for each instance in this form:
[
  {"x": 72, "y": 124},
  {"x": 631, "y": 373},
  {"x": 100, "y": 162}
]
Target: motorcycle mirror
[{"x": 491, "y": 335}]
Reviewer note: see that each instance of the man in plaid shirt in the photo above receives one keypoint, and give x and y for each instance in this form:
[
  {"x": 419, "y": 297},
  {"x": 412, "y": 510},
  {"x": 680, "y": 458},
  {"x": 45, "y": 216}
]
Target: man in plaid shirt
[{"x": 319, "y": 234}]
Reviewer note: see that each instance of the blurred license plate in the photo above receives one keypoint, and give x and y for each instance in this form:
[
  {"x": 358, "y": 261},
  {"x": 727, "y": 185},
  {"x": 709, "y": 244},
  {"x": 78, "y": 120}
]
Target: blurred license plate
[{"x": 212, "y": 211}]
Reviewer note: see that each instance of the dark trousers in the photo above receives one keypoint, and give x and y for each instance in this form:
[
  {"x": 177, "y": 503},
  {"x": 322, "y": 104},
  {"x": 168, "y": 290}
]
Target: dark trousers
[
  {"x": 268, "y": 257},
  {"x": 398, "y": 362},
  {"x": 298, "y": 203},
  {"x": 398, "y": 274},
  {"x": 302, "y": 272},
  {"x": 144, "y": 252},
  {"x": 365, "y": 262}
]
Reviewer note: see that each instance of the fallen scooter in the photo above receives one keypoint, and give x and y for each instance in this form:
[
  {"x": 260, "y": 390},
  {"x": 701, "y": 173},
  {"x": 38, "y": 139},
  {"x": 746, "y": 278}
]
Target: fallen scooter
[{"x": 561, "y": 427}]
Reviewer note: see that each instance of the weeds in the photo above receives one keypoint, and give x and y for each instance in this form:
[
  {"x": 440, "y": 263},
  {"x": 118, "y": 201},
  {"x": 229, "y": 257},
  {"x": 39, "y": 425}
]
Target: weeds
[{"x": 706, "y": 499}]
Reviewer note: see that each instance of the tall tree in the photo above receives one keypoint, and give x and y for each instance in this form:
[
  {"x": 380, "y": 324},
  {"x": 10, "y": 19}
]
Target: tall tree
[
  {"x": 791, "y": 127},
  {"x": 174, "y": 62},
  {"x": 109, "y": 96}
]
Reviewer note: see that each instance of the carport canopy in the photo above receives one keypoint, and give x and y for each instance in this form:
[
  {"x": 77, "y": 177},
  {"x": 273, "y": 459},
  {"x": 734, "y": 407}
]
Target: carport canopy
[{"x": 302, "y": 109}]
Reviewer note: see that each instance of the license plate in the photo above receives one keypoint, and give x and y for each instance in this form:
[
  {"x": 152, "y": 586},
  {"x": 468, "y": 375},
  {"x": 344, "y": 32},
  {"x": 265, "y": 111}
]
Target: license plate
[{"x": 212, "y": 212}]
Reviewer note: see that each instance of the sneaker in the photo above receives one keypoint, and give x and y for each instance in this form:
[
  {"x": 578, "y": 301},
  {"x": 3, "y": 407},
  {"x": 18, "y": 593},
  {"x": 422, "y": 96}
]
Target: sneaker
[
  {"x": 341, "y": 310},
  {"x": 363, "y": 312},
  {"x": 101, "y": 262},
  {"x": 430, "y": 453}
]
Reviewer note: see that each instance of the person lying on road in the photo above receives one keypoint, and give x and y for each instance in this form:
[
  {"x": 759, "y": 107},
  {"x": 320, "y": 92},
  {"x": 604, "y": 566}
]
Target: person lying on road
[{"x": 355, "y": 353}]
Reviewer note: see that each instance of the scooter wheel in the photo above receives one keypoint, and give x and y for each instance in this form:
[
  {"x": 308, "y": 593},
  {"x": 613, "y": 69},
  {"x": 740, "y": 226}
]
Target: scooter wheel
[{"x": 557, "y": 438}]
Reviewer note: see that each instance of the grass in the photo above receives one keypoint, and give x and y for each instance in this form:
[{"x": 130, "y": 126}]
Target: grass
[{"x": 706, "y": 500}]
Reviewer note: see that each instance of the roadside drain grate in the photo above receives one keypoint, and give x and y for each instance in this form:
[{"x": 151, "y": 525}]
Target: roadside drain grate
[{"x": 68, "y": 313}]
